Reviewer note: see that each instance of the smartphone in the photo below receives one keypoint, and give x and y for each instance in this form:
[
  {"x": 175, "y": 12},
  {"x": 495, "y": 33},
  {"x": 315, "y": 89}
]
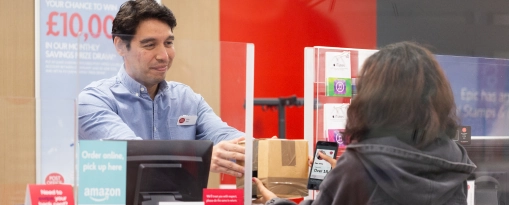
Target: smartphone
[{"x": 320, "y": 167}]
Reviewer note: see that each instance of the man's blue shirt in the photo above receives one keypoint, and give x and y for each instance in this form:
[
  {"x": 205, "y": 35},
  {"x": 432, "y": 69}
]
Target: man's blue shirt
[{"x": 121, "y": 108}]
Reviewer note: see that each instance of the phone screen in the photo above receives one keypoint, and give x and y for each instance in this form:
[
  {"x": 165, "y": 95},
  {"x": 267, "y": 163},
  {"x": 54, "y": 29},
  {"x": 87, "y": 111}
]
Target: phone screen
[{"x": 320, "y": 168}]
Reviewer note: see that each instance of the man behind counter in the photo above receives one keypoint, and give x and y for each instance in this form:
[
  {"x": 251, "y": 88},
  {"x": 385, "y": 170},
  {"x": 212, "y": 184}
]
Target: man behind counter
[{"x": 139, "y": 104}]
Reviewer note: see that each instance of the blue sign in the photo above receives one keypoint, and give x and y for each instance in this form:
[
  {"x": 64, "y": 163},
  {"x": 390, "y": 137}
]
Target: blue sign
[
  {"x": 102, "y": 172},
  {"x": 481, "y": 92}
]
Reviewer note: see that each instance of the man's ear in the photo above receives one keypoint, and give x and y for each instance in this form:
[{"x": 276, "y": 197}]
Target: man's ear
[{"x": 120, "y": 46}]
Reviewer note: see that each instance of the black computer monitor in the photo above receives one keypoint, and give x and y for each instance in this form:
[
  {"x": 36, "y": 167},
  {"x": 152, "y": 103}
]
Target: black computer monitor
[
  {"x": 491, "y": 156},
  {"x": 167, "y": 170}
]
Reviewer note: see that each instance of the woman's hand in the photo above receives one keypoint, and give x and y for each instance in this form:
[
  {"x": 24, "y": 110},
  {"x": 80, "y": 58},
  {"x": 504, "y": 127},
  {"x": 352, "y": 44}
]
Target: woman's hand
[
  {"x": 331, "y": 160},
  {"x": 266, "y": 194}
]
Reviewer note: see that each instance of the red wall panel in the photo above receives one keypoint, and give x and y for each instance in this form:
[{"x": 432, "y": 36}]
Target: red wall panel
[{"x": 280, "y": 29}]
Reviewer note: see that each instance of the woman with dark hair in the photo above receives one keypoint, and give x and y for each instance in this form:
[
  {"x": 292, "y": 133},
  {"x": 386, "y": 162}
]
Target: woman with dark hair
[{"x": 399, "y": 129}]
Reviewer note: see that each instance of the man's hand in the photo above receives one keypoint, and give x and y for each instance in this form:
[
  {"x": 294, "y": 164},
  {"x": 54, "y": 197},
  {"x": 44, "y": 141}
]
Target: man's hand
[
  {"x": 266, "y": 193},
  {"x": 224, "y": 155}
]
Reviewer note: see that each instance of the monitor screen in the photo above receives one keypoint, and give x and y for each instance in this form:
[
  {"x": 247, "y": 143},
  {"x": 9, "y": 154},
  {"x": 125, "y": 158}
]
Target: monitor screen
[{"x": 167, "y": 170}]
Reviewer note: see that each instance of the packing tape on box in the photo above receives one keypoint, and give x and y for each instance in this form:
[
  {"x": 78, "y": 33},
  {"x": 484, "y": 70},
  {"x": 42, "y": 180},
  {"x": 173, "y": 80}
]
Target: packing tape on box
[
  {"x": 288, "y": 158},
  {"x": 255, "y": 155},
  {"x": 283, "y": 187},
  {"x": 286, "y": 187}
]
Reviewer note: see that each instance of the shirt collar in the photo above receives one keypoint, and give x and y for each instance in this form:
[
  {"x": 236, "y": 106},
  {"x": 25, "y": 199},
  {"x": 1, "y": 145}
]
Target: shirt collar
[{"x": 133, "y": 86}]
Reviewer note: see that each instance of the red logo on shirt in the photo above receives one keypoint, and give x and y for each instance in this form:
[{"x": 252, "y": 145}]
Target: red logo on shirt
[
  {"x": 181, "y": 120},
  {"x": 464, "y": 129}
]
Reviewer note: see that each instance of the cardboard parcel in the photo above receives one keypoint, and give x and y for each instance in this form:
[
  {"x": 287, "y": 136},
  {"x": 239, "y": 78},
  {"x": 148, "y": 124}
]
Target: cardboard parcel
[{"x": 282, "y": 166}]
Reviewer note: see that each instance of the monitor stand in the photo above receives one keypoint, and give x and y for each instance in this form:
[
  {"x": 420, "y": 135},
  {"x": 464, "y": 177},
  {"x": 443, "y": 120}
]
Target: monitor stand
[{"x": 154, "y": 199}]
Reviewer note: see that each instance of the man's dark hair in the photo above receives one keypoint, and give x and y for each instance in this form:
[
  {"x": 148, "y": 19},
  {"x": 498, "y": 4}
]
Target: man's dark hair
[
  {"x": 132, "y": 12},
  {"x": 402, "y": 87}
]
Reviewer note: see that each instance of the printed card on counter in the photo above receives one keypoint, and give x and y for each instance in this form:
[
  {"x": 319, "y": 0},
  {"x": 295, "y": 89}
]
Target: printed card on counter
[
  {"x": 223, "y": 196},
  {"x": 334, "y": 121},
  {"x": 340, "y": 87},
  {"x": 363, "y": 54},
  {"x": 338, "y": 74},
  {"x": 49, "y": 194}
]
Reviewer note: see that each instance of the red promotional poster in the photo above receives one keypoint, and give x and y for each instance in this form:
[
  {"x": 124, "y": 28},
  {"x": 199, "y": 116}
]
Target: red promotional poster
[
  {"x": 223, "y": 196},
  {"x": 49, "y": 194},
  {"x": 73, "y": 47}
]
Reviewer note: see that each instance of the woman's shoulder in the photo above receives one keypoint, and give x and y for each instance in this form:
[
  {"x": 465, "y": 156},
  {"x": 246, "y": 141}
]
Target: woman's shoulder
[
  {"x": 349, "y": 182},
  {"x": 348, "y": 165}
]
